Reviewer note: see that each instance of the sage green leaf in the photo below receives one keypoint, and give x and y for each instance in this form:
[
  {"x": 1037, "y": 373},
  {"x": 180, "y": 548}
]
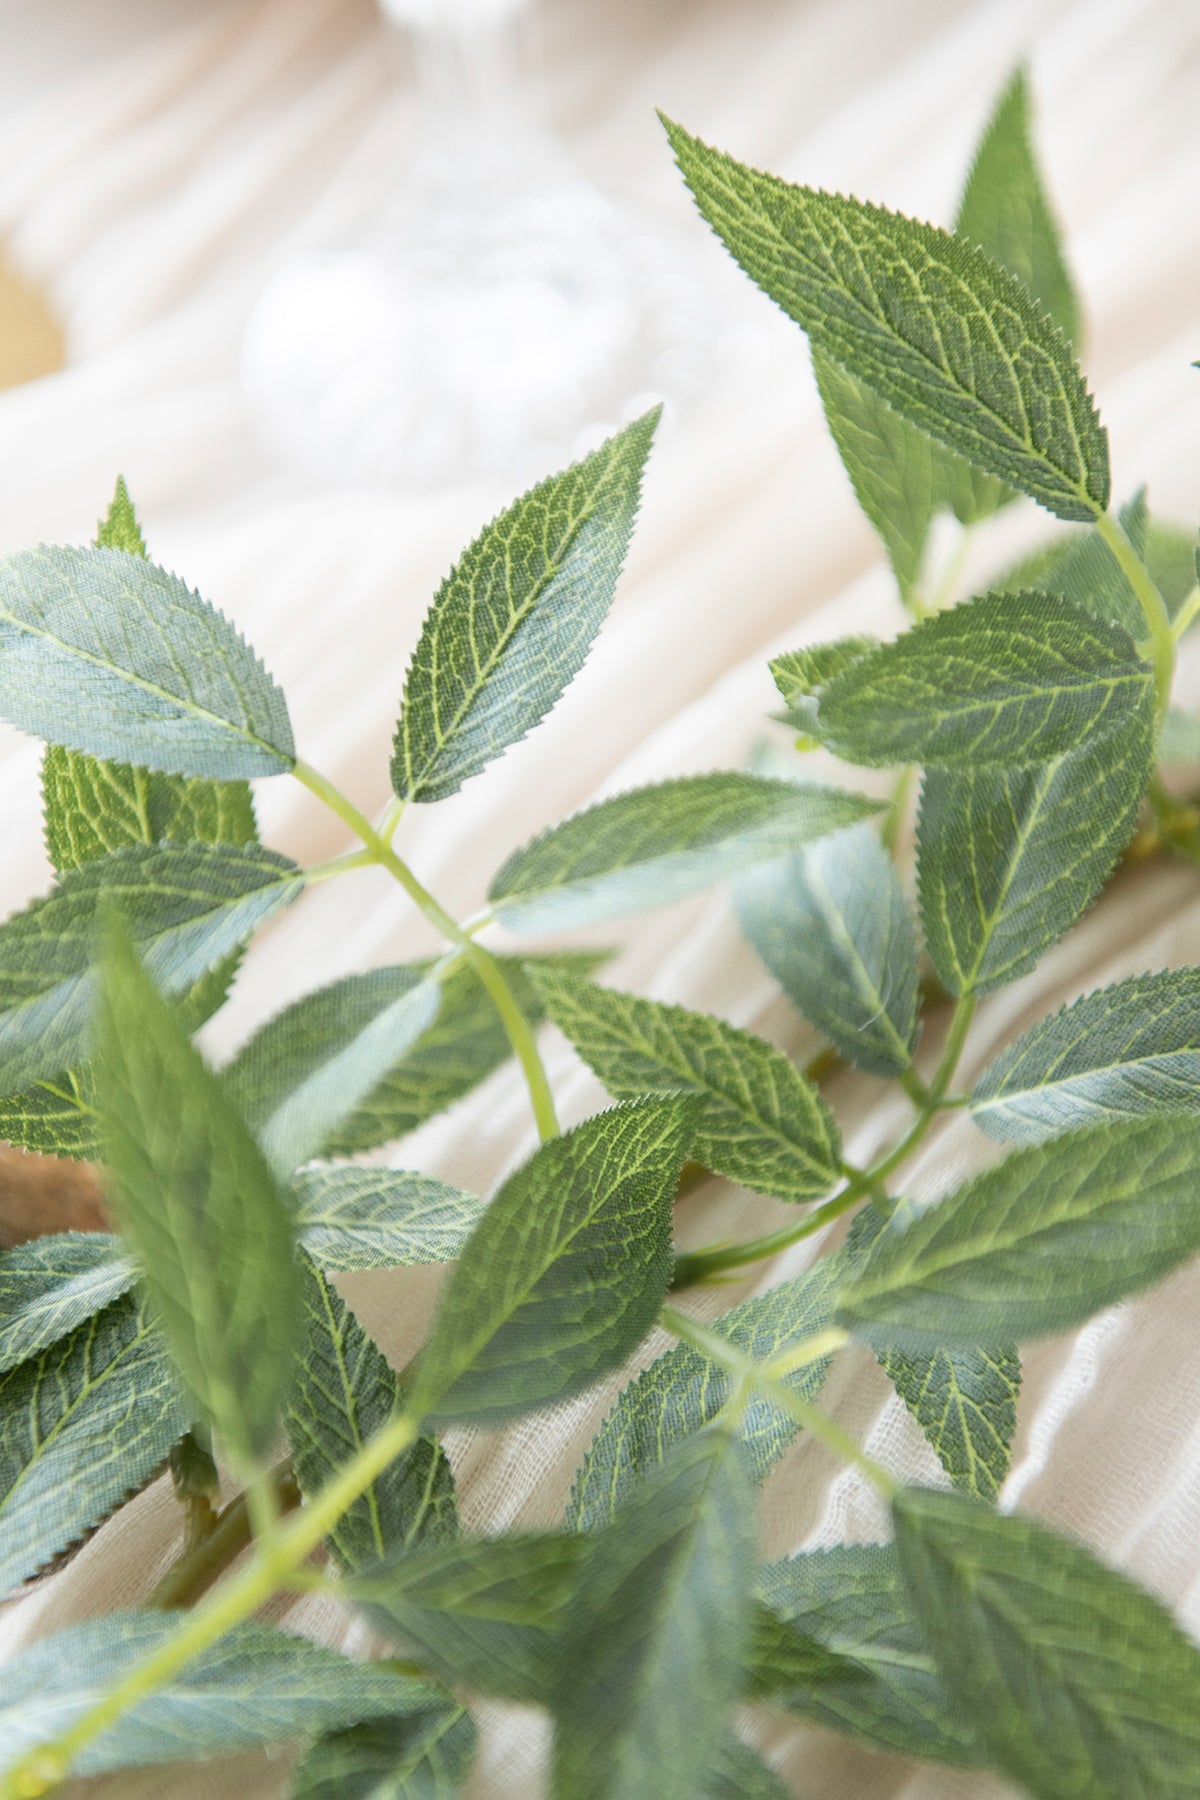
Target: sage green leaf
[
  {"x": 1179, "y": 739},
  {"x": 565, "y": 1272},
  {"x": 1077, "y": 1681},
  {"x": 1118, "y": 1053},
  {"x": 1008, "y": 859},
  {"x": 657, "y": 1631},
  {"x": 464, "y": 1044},
  {"x": 1036, "y": 1244},
  {"x": 934, "y": 326},
  {"x": 682, "y": 1391},
  {"x": 105, "y": 652},
  {"x": 52, "y": 1284},
  {"x": 256, "y": 1685},
  {"x": 801, "y": 674},
  {"x": 119, "y": 528},
  {"x": 344, "y": 1392},
  {"x": 654, "y": 845},
  {"x": 1088, "y": 574},
  {"x": 303, "y": 1072},
  {"x": 759, "y": 1121},
  {"x": 513, "y": 622},
  {"x": 419, "y": 1756},
  {"x": 83, "y": 1425},
  {"x": 838, "y": 1640},
  {"x": 965, "y": 1402},
  {"x": 833, "y": 927},
  {"x": 1005, "y": 679},
  {"x": 738, "y": 1773},
  {"x": 194, "y": 1196},
  {"x": 482, "y": 1613},
  {"x": 381, "y": 1218},
  {"x": 187, "y": 907}
]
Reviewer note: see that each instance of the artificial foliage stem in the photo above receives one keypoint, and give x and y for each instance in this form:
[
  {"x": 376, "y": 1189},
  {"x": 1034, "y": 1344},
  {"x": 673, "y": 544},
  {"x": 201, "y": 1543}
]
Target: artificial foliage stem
[
  {"x": 204, "y": 1561},
  {"x": 1158, "y": 619}
]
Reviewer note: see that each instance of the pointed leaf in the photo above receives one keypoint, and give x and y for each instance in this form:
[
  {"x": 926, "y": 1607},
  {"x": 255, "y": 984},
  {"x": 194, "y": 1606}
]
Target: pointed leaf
[
  {"x": 565, "y": 1272},
  {"x": 801, "y": 674},
  {"x": 657, "y": 1633},
  {"x": 119, "y": 528},
  {"x": 965, "y": 1402},
  {"x": 82, "y": 1426},
  {"x": 1076, "y": 1681},
  {"x": 193, "y": 1195},
  {"x": 420, "y": 1756},
  {"x": 759, "y": 1121},
  {"x": 512, "y": 624},
  {"x": 381, "y": 1218},
  {"x": 833, "y": 927},
  {"x": 937, "y": 328},
  {"x": 654, "y": 845},
  {"x": 107, "y": 653},
  {"x": 1035, "y": 1245},
  {"x": 52, "y": 1284}
]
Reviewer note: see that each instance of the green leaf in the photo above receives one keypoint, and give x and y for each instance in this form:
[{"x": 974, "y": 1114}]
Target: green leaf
[
  {"x": 419, "y": 1756},
  {"x": 513, "y": 622},
  {"x": 82, "y": 1426},
  {"x": 193, "y": 1195},
  {"x": 381, "y": 1218},
  {"x": 1005, "y": 679},
  {"x": 801, "y": 674},
  {"x": 52, "y": 1284},
  {"x": 1076, "y": 1681},
  {"x": 1035, "y": 1245},
  {"x": 738, "y": 1773},
  {"x": 119, "y": 528},
  {"x": 833, "y": 927},
  {"x": 759, "y": 1121},
  {"x": 107, "y": 653},
  {"x": 303, "y": 1072},
  {"x": 344, "y": 1393},
  {"x": 934, "y": 326},
  {"x": 56, "y": 1117},
  {"x": 1170, "y": 556},
  {"x": 654, "y": 1654},
  {"x": 187, "y": 907},
  {"x": 565, "y": 1272},
  {"x": 1118, "y": 1053},
  {"x": 1008, "y": 859},
  {"x": 464, "y": 1044},
  {"x": 682, "y": 1391},
  {"x": 482, "y": 1613},
  {"x": 965, "y": 1402},
  {"x": 838, "y": 1640},
  {"x": 654, "y": 845},
  {"x": 256, "y": 1685},
  {"x": 1088, "y": 575}
]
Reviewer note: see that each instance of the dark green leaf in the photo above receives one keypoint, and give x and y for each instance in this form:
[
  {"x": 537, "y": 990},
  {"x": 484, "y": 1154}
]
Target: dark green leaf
[
  {"x": 513, "y": 622},
  {"x": 759, "y": 1121},
  {"x": 565, "y": 1271},
  {"x": 801, "y": 674},
  {"x": 192, "y": 1193},
  {"x": 420, "y": 1756},
  {"x": 833, "y": 927},
  {"x": 52, "y": 1284},
  {"x": 965, "y": 1402},
  {"x": 1076, "y": 1681},
  {"x": 381, "y": 1218},
  {"x": 738, "y": 1773},
  {"x": 82, "y": 1425},
  {"x": 56, "y": 1117},
  {"x": 654, "y": 845}
]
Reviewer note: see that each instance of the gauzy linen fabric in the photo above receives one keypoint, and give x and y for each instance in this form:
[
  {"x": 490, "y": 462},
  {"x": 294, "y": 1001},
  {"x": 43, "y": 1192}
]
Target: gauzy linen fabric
[{"x": 157, "y": 163}]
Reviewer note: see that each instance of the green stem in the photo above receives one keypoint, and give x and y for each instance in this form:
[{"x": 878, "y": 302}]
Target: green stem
[
  {"x": 1158, "y": 619},
  {"x": 205, "y": 1561},
  {"x": 893, "y": 818}
]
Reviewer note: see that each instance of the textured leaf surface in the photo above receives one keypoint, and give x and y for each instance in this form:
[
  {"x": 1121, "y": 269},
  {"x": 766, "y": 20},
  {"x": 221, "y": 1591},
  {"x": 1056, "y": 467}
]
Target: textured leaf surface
[
  {"x": 944, "y": 334},
  {"x": 655, "y": 1648},
  {"x": 833, "y": 927},
  {"x": 303, "y": 1073},
  {"x": 838, "y": 1640},
  {"x": 381, "y": 1218},
  {"x": 1008, "y": 678},
  {"x": 682, "y": 1391},
  {"x": 196, "y": 1200},
  {"x": 1076, "y": 1680},
  {"x": 256, "y": 1686},
  {"x": 187, "y": 908},
  {"x": 119, "y": 528},
  {"x": 1008, "y": 859},
  {"x": 565, "y": 1272},
  {"x": 1037, "y": 1244},
  {"x": 1088, "y": 575},
  {"x": 423, "y": 1756},
  {"x": 758, "y": 1122},
  {"x": 344, "y": 1393},
  {"x": 965, "y": 1402},
  {"x": 513, "y": 622},
  {"x": 801, "y": 674},
  {"x": 1119, "y": 1053},
  {"x": 105, "y": 652},
  {"x": 654, "y": 845},
  {"x": 52, "y": 1284},
  {"x": 739, "y": 1773},
  {"x": 82, "y": 1425}
]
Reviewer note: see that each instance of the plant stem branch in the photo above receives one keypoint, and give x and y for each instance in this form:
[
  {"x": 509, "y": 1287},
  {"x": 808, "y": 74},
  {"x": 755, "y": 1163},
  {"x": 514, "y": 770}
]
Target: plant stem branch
[
  {"x": 205, "y": 1561},
  {"x": 1158, "y": 619}
]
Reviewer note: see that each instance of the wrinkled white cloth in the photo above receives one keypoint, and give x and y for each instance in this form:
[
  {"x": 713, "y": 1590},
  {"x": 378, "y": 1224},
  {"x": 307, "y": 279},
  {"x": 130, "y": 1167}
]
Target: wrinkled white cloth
[{"x": 157, "y": 163}]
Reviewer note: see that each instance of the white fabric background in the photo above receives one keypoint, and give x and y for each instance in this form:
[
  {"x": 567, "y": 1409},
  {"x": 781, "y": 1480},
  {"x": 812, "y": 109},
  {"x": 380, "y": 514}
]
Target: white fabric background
[{"x": 157, "y": 160}]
